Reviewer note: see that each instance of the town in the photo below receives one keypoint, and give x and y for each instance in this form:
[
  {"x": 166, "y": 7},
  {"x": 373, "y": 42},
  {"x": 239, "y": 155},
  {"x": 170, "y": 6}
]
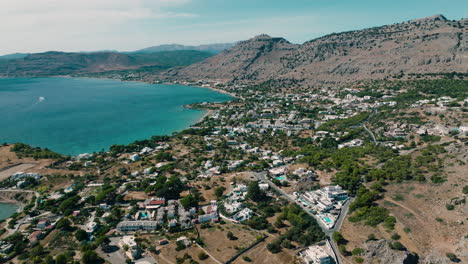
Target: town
[{"x": 273, "y": 168}]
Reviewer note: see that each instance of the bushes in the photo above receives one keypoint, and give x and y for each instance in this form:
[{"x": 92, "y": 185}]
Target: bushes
[
  {"x": 397, "y": 246},
  {"x": 275, "y": 246},
  {"x": 357, "y": 251},
  {"x": 338, "y": 238},
  {"x": 453, "y": 257},
  {"x": 258, "y": 223},
  {"x": 450, "y": 207},
  {"x": 373, "y": 216},
  {"x": 23, "y": 150},
  {"x": 202, "y": 256}
]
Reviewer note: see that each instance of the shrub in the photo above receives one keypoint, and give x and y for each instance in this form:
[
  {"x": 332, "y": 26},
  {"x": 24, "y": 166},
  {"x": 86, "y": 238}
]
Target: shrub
[
  {"x": 452, "y": 257},
  {"x": 246, "y": 259},
  {"x": 358, "y": 260},
  {"x": 274, "y": 247},
  {"x": 397, "y": 246},
  {"x": 357, "y": 251},
  {"x": 396, "y": 236},
  {"x": 450, "y": 207},
  {"x": 202, "y": 256}
]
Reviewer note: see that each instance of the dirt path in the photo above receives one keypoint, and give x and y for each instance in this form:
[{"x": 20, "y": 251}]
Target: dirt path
[
  {"x": 204, "y": 250},
  {"x": 416, "y": 215}
]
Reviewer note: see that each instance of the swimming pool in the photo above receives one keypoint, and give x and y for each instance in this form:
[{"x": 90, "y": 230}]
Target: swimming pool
[
  {"x": 144, "y": 214},
  {"x": 281, "y": 178},
  {"x": 327, "y": 219}
]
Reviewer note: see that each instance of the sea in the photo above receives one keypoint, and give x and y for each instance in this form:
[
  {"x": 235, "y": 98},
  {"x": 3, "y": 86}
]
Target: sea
[
  {"x": 83, "y": 115},
  {"x": 7, "y": 209}
]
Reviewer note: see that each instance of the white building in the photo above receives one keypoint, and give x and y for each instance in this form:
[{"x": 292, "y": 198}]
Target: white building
[
  {"x": 132, "y": 226},
  {"x": 315, "y": 255}
]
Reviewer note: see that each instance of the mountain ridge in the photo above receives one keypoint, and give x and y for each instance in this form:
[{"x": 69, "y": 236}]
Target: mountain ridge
[
  {"x": 54, "y": 63},
  {"x": 421, "y": 46}
]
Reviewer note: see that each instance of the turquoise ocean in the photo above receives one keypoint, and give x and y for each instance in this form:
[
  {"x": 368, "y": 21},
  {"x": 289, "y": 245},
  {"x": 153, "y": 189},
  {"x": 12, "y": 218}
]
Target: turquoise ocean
[{"x": 80, "y": 115}]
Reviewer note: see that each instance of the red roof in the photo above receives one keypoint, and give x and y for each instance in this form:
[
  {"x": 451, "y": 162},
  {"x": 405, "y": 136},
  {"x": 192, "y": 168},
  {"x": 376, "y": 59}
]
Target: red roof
[{"x": 156, "y": 202}]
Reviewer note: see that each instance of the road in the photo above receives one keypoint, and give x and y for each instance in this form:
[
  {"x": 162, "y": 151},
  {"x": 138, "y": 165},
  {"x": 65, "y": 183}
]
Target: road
[{"x": 262, "y": 176}]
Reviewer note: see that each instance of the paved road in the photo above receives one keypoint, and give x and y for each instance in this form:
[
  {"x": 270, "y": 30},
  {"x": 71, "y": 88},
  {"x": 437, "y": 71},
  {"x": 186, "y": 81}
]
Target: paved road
[{"x": 262, "y": 176}]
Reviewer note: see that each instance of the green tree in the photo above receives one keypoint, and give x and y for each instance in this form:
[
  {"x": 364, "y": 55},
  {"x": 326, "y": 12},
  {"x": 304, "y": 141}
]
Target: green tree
[
  {"x": 64, "y": 224},
  {"x": 81, "y": 235},
  {"x": 90, "y": 257},
  {"x": 255, "y": 193},
  {"x": 189, "y": 201},
  {"x": 231, "y": 236},
  {"x": 219, "y": 192},
  {"x": 202, "y": 255},
  {"x": 61, "y": 259}
]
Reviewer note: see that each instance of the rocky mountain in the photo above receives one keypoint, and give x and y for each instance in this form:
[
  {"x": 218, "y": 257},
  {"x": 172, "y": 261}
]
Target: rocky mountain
[
  {"x": 256, "y": 59},
  {"x": 213, "y": 48},
  {"x": 380, "y": 252},
  {"x": 431, "y": 45},
  {"x": 63, "y": 63}
]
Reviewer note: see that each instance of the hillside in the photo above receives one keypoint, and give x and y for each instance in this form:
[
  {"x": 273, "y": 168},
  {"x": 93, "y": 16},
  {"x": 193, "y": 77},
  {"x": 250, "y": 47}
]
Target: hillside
[
  {"x": 431, "y": 45},
  {"x": 63, "y": 63}
]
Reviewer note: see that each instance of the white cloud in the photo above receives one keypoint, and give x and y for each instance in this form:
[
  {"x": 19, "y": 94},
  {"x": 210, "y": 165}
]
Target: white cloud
[{"x": 33, "y": 25}]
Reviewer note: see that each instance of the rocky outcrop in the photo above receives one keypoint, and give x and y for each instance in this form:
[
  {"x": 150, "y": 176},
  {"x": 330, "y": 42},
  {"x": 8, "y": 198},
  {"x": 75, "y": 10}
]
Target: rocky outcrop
[{"x": 380, "y": 252}]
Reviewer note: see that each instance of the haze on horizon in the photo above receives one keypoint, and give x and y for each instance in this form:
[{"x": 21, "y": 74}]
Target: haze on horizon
[{"x": 125, "y": 25}]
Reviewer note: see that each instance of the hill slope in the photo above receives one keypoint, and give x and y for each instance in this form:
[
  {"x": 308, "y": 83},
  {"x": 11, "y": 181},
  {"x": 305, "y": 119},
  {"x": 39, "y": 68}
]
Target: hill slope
[
  {"x": 429, "y": 45},
  {"x": 62, "y": 63}
]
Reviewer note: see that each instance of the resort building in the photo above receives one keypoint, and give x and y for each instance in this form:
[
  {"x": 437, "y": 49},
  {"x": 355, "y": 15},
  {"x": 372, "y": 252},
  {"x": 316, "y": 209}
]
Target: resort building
[{"x": 132, "y": 226}]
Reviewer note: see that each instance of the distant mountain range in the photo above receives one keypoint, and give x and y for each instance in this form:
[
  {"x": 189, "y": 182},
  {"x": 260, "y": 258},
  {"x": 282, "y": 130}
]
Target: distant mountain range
[
  {"x": 13, "y": 56},
  {"x": 213, "y": 48},
  {"x": 432, "y": 45},
  {"x": 67, "y": 63}
]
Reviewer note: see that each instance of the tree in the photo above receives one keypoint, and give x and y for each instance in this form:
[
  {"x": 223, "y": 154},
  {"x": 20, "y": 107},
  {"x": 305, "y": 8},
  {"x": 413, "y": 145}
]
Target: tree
[
  {"x": 231, "y": 236},
  {"x": 202, "y": 255},
  {"x": 338, "y": 237},
  {"x": 189, "y": 201},
  {"x": 61, "y": 259},
  {"x": 81, "y": 235},
  {"x": 219, "y": 192},
  {"x": 255, "y": 193},
  {"x": 49, "y": 260},
  {"x": 275, "y": 246},
  {"x": 37, "y": 251},
  {"x": 90, "y": 257},
  {"x": 64, "y": 224}
]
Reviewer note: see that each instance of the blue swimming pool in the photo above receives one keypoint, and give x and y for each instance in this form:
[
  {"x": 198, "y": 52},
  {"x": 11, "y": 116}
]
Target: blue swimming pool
[
  {"x": 281, "y": 178},
  {"x": 327, "y": 219}
]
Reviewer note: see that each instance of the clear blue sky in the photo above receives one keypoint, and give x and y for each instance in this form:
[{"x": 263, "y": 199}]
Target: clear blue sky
[{"x": 85, "y": 25}]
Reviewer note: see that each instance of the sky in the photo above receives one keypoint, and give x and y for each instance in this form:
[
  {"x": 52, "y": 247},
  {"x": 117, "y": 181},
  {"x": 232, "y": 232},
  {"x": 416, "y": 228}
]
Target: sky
[{"x": 127, "y": 25}]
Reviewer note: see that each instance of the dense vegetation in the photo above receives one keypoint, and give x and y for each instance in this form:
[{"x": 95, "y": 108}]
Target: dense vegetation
[{"x": 23, "y": 150}]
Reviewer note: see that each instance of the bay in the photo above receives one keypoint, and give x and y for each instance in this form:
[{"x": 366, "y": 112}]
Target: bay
[
  {"x": 81, "y": 115},
  {"x": 7, "y": 209}
]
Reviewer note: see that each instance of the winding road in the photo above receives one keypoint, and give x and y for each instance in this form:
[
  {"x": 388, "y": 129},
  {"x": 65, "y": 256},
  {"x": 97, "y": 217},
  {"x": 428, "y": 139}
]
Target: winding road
[{"x": 262, "y": 176}]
